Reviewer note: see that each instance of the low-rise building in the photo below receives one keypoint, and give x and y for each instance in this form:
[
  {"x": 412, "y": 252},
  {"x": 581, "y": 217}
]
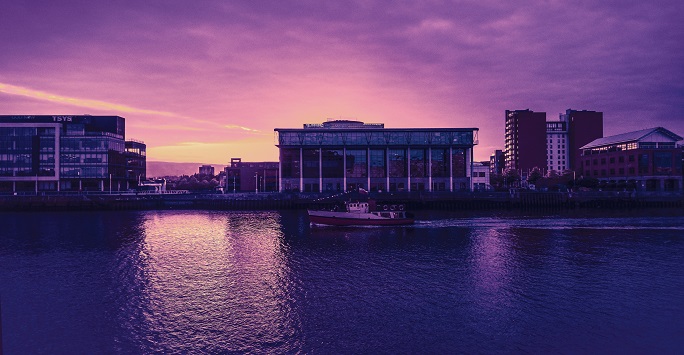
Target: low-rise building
[
  {"x": 136, "y": 162},
  {"x": 648, "y": 158},
  {"x": 480, "y": 176},
  {"x": 250, "y": 176},
  {"x": 206, "y": 170}
]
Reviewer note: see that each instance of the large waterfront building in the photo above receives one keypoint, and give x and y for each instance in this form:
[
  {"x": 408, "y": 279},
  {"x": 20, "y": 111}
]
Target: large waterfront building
[
  {"x": 250, "y": 176},
  {"x": 649, "y": 158},
  {"x": 342, "y": 155},
  {"x": 525, "y": 141},
  {"x": 66, "y": 153}
]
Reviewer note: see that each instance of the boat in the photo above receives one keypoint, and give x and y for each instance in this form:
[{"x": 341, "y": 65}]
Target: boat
[{"x": 361, "y": 214}]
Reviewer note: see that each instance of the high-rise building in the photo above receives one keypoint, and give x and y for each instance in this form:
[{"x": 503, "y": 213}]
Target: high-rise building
[
  {"x": 63, "y": 153},
  {"x": 342, "y": 155},
  {"x": 496, "y": 162},
  {"x": 583, "y": 127},
  {"x": 565, "y": 137},
  {"x": 557, "y": 145},
  {"x": 525, "y": 140}
]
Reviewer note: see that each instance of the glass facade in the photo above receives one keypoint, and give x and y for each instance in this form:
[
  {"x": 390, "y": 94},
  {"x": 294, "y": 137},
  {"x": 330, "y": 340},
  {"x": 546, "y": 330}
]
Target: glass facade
[
  {"x": 356, "y": 163},
  {"x": 398, "y": 164},
  {"x": 61, "y": 153},
  {"x": 339, "y": 155}
]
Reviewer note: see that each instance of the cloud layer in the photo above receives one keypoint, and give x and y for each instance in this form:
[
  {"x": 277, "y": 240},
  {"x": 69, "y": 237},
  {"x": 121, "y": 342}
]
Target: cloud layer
[{"x": 227, "y": 72}]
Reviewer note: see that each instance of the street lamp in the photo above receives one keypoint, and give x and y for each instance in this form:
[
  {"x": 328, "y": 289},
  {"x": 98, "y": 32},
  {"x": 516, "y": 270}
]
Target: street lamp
[
  {"x": 256, "y": 183},
  {"x": 233, "y": 183}
]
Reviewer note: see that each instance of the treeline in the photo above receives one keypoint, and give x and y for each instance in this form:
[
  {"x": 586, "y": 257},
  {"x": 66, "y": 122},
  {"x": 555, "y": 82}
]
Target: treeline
[
  {"x": 555, "y": 181},
  {"x": 196, "y": 182}
]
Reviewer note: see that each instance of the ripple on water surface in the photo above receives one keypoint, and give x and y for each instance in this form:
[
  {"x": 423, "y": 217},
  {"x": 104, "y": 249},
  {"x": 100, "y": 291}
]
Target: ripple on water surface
[{"x": 198, "y": 281}]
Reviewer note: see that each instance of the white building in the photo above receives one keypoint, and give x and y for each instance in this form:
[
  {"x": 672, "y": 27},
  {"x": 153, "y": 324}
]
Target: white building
[
  {"x": 557, "y": 144},
  {"x": 480, "y": 176}
]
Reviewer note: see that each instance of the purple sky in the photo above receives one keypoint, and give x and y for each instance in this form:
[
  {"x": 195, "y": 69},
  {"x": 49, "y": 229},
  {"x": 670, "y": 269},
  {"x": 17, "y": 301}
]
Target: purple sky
[{"x": 205, "y": 81}]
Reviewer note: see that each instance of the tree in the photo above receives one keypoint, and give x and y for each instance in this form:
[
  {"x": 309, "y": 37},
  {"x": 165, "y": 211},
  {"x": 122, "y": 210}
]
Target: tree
[
  {"x": 497, "y": 181},
  {"x": 511, "y": 177},
  {"x": 534, "y": 176}
]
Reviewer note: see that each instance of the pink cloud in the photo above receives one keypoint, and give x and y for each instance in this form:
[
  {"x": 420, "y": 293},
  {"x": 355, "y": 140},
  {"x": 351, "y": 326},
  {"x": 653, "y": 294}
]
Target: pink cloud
[{"x": 217, "y": 67}]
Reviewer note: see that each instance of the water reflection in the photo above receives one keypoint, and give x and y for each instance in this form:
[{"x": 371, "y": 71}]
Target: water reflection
[
  {"x": 208, "y": 277},
  {"x": 266, "y": 282}
]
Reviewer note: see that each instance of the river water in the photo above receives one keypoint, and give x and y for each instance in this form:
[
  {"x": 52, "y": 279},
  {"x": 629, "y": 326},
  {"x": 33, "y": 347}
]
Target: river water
[{"x": 265, "y": 282}]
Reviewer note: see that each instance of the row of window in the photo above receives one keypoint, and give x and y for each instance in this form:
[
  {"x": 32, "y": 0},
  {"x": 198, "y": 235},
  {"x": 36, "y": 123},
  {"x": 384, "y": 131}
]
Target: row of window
[
  {"x": 611, "y": 160},
  {"x": 660, "y": 163},
  {"x": 629, "y": 146},
  {"x": 374, "y": 186},
  {"x": 609, "y": 172},
  {"x": 29, "y": 143},
  {"x": 360, "y": 163}
]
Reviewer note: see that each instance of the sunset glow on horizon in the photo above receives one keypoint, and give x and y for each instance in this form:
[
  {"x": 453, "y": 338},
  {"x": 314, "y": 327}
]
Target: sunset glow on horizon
[{"x": 208, "y": 81}]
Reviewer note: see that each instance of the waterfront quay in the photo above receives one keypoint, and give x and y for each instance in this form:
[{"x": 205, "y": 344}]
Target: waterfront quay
[{"x": 293, "y": 201}]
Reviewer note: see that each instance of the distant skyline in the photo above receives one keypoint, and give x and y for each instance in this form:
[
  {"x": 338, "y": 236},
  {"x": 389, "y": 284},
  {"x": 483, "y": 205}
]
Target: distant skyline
[{"x": 207, "y": 81}]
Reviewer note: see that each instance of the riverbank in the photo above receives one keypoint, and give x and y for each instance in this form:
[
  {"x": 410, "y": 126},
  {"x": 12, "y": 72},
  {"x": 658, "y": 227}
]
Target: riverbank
[{"x": 289, "y": 201}]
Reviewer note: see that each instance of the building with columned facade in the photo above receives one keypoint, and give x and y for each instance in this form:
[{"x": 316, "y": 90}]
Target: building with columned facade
[{"x": 343, "y": 155}]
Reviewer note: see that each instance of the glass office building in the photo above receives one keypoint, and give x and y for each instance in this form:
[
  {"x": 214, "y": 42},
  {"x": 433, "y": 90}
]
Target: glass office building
[
  {"x": 343, "y": 155},
  {"x": 63, "y": 153}
]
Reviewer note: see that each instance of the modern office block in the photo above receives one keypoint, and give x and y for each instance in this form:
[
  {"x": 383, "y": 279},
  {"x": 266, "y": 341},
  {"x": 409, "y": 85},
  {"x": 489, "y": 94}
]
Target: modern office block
[
  {"x": 342, "y": 155},
  {"x": 63, "y": 153}
]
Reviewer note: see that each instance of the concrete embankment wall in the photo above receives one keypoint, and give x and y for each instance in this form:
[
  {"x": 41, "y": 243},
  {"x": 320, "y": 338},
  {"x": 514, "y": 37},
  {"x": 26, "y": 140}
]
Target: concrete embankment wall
[{"x": 413, "y": 201}]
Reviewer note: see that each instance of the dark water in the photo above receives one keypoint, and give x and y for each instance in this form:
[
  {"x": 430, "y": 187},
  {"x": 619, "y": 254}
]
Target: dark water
[{"x": 256, "y": 282}]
